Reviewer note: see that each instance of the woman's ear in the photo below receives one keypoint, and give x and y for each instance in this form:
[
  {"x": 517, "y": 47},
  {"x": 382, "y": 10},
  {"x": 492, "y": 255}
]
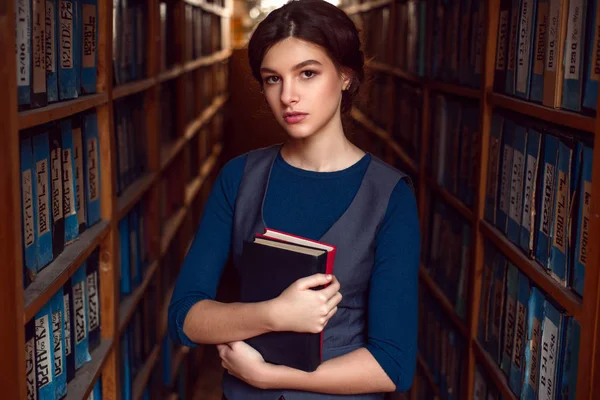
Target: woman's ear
[{"x": 346, "y": 81}]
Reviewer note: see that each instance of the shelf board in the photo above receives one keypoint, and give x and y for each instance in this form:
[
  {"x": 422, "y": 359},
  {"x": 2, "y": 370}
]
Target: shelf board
[
  {"x": 451, "y": 200},
  {"x": 435, "y": 290},
  {"x": 217, "y": 57},
  {"x": 358, "y": 8},
  {"x": 170, "y": 228},
  {"x": 54, "y": 275},
  {"x": 454, "y": 89},
  {"x": 493, "y": 370},
  {"x": 192, "y": 189},
  {"x": 563, "y": 295},
  {"x": 82, "y": 385},
  {"x": 60, "y": 110},
  {"x": 130, "y": 303},
  {"x": 172, "y": 73},
  {"x": 428, "y": 375},
  {"x": 169, "y": 151},
  {"x": 182, "y": 351},
  {"x": 369, "y": 125},
  {"x": 560, "y": 117},
  {"x": 205, "y": 116},
  {"x": 133, "y": 193},
  {"x": 134, "y": 87},
  {"x": 141, "y": 380}
]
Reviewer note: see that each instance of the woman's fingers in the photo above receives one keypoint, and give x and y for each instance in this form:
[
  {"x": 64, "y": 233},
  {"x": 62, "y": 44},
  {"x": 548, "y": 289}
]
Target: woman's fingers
[
  {"x": 334, "y": 300},
  {"x": 330, "y": 290}
]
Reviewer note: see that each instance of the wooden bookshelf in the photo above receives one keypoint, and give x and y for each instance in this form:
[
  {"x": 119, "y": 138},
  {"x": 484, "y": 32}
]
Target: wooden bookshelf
[
  {"x": 586, "y": 310},
  {"x": 18, "y": 305}
]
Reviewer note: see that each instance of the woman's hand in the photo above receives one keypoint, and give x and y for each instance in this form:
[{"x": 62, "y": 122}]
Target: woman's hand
[
  {"x": 244, "y": 362},
  {"x": 300, "y": 309}
]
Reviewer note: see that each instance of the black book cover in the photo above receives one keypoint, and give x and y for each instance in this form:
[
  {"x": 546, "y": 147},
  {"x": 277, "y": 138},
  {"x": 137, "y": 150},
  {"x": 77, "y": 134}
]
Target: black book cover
[
  {"x": 69, "y": 330},
  {"x": 265, "y": 273},
  {"x": 58, "y": 220}
]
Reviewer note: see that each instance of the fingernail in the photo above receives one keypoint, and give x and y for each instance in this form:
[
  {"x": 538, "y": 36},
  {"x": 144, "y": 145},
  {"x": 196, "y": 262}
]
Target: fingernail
[{"x": 328, "y": 276}]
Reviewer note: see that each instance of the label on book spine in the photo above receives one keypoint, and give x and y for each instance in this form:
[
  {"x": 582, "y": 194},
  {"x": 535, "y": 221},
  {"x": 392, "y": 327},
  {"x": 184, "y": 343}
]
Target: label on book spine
[
  {"x": 535, "y": 353},
  {"x": 585, "y": 223},
  {"x": 595, "y": 67},
  {"x": 549, "y": 172},
  {"x": 30, "y": 364},
  {"x": 574, "y": 40},
  {"x": 57, "y": 334},
  {"x": 561, "y": 211},
  {"x": 28, "y": 231},
  {"x": 529, "y": 188},
  {"x": 50, "y": 38},
  {"x": 43, "y": 355},
  {"x": 68, "y": 195},
  {"x": 93, "y": 311},
  {"x": 66, "y": 34},
  {"x": 516, "y": 189},
  {"x": 41, "y": 170},
  {"x": 92, "y": 170},
  {"x": 89, "y": 35},
  {"x": 524, "y": 52},
  {"x": 540, "y": 45},
  {"x": 79, "y": 304},
  {"x": 79, "y": 185},
  {"x": 67, "y": 305},
  {"x": 548, "y": 361},
  {"x": 553, "y": 36},
  {"x": 39, "y": 48},
  {"x": 57, "y": 187},
  {"x": 23, "y": 14}
]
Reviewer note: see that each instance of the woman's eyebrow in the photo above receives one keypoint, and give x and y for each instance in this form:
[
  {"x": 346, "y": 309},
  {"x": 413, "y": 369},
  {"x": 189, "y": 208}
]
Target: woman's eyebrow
[{"x": 296, "y": 67}]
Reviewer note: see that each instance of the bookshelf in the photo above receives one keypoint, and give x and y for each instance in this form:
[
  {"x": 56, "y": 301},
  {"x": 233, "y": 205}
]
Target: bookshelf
[
  {"x": 584, "y": 309},
  {"x": 198, "y": 131}
]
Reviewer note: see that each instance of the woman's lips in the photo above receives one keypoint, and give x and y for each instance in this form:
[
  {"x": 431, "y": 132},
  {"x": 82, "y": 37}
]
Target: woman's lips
[{"x": 294, "y": 118}]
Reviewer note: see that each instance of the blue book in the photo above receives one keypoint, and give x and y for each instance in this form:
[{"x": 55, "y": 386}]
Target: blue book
[
  {"x": 505, "y": 175},
  {"x": 590, "y": 88},
  {"x": 512, "y": 282},
  {"x": 536, "y": 93},
  {"x": 92, "y": 168},
  {"x": 571, "y": 361},
  {"x": 546, "y": 204},
  {"x": 515, "y": 206},
  {"x": 30, "y": 374},
  {"x": 93, "y": 298},
  {"x": 56, "y": 189},
  {"x": 530, "y": 193},
  {"x": 513, "y": 40},
  {"x": 97, "y": 391},
  {"x": 80, "y": 317},
  {"x": 57, "y": 308},
  {"x": 44, "y": 354},
  {"x": 51, "y": 40},
  {"x": 28, "y": 214},
  {"x": 493, "y": 169},
  {"x": 134, "y": 243},
  {"x": 125, "y": 258},
  {"x": 78, "y": 155},
  {"x": 68, "y": 51},
  {"x": 551, "y": 328},
  {"x": 574, "y": 56},
  {"x": 127, "y": 379},
  {"x": 89, "y": 48},
  {"x": 23, "y": 51},
  {"x": 526, "y": 52},
  {"x": 558, "y": 262},
  {"x": 69, "y": 328},
  {"x": 535, "y": 316},
  {"x": 518, "y": 358},
  {"x": 69, "y": 191},
  {"x": 41, "y": 155},
  {"x": 583, "y": 221}
]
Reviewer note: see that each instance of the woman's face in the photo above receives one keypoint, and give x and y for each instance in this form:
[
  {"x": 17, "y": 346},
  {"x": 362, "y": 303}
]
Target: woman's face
[{"x": 302, "y": 86}]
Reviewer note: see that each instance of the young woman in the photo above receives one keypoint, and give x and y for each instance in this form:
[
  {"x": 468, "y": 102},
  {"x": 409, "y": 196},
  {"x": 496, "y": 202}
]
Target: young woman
[{"x": 306, "y": 57}]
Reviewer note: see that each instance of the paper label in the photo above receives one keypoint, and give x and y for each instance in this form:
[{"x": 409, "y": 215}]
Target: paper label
[
  {"x": 23, "y": 51},
  {"x": 66, "y": 34},
  {"x": 89, "y": 35},
  {"x": 42, "y": 195},
  {"x": 28, "y": 227},
  {"x": 43, "y": 352}
]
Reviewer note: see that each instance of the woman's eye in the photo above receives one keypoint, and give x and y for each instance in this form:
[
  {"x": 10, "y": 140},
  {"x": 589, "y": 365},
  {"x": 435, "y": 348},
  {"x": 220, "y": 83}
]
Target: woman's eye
[
  {"x": 271, "y": 79},
  {"x": 308, "y": 74}
]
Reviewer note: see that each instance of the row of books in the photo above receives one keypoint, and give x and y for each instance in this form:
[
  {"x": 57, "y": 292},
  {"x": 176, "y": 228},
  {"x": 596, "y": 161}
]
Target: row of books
[
  {"x": 134, "y": 248},
  {"x": 203, "y": 32},
  {"x": 60, "y": 337},
  {"x": 447, "y": 254},
  {"x": 373, "y": 99},
  {"x": 533, "y": 341},
  {"x": 60, "y": 187},
  {"x": 130, "y": 138},
  {"x": 442, "y": 348},
  {"x": 56, "y": 50},
  {"x": 129, "y": 38},
  {"x": 201, "y": 87},
  {"x": 138, "y": 341},
  {"x": 538, "y": 193},
  {"x": 454, "y": 154},
  {"x": 547, "y": 52},
  {"x": 407, "y": 117},
  {"x": 374, "y": 26}
]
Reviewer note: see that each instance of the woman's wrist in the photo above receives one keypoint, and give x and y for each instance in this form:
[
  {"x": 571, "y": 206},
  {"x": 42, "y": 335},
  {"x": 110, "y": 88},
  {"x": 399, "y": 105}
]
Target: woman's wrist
[{"x": 273, "y": 318}]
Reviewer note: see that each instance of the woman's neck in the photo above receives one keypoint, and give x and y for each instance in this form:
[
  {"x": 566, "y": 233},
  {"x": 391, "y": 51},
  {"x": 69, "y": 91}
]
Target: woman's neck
[{"x": 321, "y": 153}]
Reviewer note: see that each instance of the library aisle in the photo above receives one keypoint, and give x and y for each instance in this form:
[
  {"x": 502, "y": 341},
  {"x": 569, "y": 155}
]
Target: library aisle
[{"x": 123, "y": 112}]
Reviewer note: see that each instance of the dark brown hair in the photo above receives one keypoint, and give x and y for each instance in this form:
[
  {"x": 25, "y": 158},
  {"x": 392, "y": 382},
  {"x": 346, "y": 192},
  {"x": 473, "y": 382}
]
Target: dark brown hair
[{"x": 318, "y": 22}]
